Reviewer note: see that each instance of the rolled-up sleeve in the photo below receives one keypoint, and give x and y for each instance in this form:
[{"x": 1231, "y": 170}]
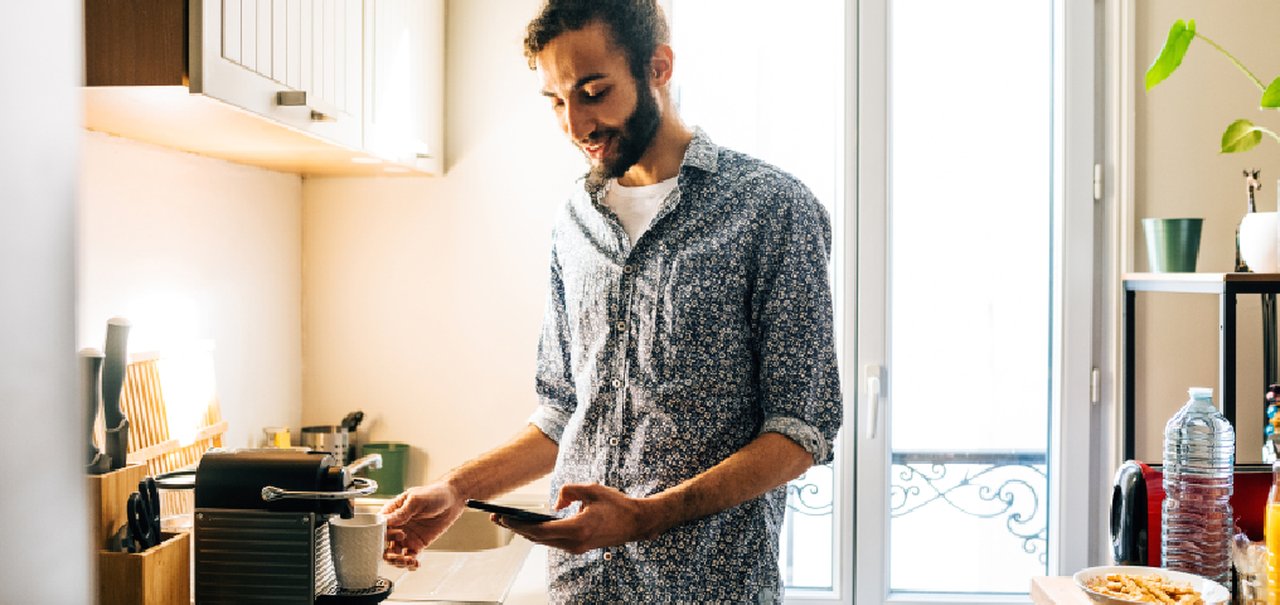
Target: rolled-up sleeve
[
  {"x": 554, "y": 377},
  {"x": 799, "y": 378}
]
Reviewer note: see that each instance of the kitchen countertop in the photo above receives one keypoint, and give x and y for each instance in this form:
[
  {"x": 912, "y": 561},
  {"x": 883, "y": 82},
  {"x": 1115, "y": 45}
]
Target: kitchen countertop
[
  {"x": 530, "y": 585},
  {"x": 1057, "y": 590}
]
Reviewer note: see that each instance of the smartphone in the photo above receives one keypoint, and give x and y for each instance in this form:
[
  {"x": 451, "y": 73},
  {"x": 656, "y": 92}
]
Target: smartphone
[{"x": 515, "y": 514}]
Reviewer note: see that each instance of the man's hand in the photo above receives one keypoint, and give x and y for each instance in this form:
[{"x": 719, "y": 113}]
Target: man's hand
[
  {"x": 416, "y": 518},
  {"x": 607, "y": 517}
]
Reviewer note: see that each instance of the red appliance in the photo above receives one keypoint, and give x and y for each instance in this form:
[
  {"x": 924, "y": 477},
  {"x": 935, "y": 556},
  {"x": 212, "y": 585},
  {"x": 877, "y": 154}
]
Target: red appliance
[{"x": 1136, "y": 501}]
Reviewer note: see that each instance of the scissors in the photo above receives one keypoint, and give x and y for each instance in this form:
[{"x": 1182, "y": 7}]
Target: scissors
[{"x": 143, "y": 511}]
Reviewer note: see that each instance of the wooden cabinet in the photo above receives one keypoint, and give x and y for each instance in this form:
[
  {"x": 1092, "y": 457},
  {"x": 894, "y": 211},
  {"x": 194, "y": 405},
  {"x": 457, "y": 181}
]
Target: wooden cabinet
[{"x": 309, "y": 86}]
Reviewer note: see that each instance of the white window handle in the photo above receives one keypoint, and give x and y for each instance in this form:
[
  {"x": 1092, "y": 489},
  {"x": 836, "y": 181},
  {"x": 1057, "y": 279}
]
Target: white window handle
[{"x": 873, "y": 400}]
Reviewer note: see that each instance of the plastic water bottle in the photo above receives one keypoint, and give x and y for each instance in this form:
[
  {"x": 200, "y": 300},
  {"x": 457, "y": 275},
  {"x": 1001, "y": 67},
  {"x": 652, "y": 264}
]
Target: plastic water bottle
[{"x": 1199, "y": 462}]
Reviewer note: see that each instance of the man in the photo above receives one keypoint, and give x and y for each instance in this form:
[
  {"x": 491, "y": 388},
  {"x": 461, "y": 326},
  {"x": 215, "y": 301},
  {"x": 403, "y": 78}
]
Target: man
[{"x": 686, "y": 368}]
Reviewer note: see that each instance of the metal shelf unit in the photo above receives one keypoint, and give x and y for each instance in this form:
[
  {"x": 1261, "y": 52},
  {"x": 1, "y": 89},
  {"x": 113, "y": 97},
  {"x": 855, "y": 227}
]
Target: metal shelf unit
[{"x": 1228, "y": 286}]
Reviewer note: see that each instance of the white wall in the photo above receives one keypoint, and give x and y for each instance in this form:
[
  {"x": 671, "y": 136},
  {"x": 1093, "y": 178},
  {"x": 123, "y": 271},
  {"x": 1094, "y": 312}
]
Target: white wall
[
  {"x": 423, "y": 297},
  {"x": 1179, "y": 172},
  {"x": 191, "y": 248},
  {"x": 44, "y": 528}
]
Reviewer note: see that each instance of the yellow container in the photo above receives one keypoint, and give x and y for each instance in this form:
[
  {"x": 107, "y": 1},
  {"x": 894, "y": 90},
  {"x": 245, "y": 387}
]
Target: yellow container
[{"x": 1272, "y": 535}]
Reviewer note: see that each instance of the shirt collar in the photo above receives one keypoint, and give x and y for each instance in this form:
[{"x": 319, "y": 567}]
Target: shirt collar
[{"x": 702, "y": 154}]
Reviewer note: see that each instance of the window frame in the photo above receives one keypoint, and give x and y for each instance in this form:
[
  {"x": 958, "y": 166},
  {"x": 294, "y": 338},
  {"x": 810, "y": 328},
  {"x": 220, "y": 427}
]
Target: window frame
[{"x": 1072, "y": 512}]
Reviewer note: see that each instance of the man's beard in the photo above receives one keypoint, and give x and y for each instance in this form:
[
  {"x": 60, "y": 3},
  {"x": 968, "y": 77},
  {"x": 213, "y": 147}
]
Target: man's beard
[{"x": 636, "y": 135}]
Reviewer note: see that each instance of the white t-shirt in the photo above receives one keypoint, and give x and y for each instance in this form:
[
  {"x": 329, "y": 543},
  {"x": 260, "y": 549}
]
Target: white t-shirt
[{"x": 636, "y": 206}]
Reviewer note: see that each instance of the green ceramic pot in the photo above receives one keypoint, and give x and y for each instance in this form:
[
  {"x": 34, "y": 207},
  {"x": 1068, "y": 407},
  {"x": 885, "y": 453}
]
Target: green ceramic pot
[
  {"x": 395, "y": 462},
  {"x": 1172, "y": 243}
]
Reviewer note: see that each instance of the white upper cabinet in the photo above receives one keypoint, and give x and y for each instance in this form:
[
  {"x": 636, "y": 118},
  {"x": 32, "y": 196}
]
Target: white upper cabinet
[
  {"x": 310, "y": 86},
  {"x": 403, "y": 84},
  {"x": 297, "y": 62}
]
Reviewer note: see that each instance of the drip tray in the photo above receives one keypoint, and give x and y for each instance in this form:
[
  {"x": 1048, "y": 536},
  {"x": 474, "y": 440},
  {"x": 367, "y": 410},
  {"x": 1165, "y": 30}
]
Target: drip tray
[{"x": 368, "y": 596}]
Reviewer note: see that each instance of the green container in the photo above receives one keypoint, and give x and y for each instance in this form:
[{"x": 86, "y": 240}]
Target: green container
[
  {"x": 395, "y": 463},
  {"x": 1172, "y": 243}
]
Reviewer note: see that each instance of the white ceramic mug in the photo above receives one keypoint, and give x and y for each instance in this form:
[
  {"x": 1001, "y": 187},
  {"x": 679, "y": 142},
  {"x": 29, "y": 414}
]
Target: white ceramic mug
[{"x": 357, "y": 544}]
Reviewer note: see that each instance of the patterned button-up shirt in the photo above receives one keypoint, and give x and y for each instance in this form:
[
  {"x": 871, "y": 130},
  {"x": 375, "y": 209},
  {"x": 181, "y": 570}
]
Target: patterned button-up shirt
[{"x": 658, "y": 361}]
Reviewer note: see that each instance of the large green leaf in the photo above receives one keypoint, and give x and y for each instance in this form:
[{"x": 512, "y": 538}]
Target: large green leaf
[
  {"x": 1241, "y": 135},
  {"x": 1175, "y": 48},
  {"x": 1271, "y": 96}
]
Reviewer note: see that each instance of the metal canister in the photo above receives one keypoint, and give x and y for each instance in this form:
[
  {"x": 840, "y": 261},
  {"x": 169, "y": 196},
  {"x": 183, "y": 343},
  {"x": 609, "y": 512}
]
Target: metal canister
[{"x": 327, "y": 438}]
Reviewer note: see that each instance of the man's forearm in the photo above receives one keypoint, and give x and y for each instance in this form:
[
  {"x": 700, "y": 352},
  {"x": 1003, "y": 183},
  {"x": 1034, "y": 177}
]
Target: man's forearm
[
  {"x": 528, "y": 456},
  {"x": 768, "y": 461}
]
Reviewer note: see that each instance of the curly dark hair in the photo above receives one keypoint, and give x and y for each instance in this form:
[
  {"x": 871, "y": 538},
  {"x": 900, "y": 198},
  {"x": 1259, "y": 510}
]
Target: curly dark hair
[{"x": 637, "y": 27}]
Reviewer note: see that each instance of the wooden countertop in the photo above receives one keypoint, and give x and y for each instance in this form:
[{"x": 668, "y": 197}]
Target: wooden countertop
[{"x": 1057, "y": 590}]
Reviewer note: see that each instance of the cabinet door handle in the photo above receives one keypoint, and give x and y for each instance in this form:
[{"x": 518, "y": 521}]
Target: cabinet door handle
[
  {"x": 291, "y": 98},
  {"x": 298, "y": 98}
]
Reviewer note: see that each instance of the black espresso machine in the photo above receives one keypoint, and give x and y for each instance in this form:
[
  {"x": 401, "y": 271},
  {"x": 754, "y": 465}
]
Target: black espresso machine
[{"x": 262, "y": 527}]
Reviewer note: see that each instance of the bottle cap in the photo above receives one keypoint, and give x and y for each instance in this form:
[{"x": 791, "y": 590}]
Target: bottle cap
[{"x": 1200, "y": 392}]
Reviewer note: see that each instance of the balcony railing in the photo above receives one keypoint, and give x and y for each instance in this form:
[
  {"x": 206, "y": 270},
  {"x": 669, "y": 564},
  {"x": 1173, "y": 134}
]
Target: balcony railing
[{"x": 1008, "y": 485}]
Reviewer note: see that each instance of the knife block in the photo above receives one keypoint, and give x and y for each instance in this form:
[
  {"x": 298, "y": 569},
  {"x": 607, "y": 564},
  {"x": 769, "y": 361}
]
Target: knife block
[
  {"x": 160, "y": 575},
  {"x": 109, "y": 495}
]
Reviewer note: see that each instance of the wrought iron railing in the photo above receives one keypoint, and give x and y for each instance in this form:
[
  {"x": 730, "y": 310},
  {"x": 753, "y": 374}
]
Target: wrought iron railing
[
  {"x": 998, "y": 484},
  {"x": 995, "y": 484}
]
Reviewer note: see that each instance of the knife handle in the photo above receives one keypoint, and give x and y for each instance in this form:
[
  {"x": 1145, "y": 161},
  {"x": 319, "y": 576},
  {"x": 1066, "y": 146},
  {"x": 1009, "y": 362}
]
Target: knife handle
[
  {"x": 90, "y": 372},
  {"x": 113, "y": 370},
  {"x": 116, "y": 444}
]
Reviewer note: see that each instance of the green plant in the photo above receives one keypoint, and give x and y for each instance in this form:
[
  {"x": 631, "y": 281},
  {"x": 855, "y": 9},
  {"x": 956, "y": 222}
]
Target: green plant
[{"x": 1241, "y": 135}]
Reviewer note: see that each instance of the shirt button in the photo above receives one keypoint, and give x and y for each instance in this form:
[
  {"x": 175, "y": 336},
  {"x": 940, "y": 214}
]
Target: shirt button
[
  {"x": 617, "y": 384},
  {"x": 627, "y": 269},
  {"x": 613, "y": 441},
  {"x": 608, "y": 556},
  {"x": 622, "y": 325}
]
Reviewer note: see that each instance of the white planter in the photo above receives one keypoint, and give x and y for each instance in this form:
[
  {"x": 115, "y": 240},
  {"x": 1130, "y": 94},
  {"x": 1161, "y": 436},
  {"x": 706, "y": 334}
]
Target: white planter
[{"x": 1258, "y": 234}]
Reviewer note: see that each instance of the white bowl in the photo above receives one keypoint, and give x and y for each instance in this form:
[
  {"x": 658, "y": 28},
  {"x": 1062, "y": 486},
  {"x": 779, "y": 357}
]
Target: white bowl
[{"x": 1212, "y": 592}]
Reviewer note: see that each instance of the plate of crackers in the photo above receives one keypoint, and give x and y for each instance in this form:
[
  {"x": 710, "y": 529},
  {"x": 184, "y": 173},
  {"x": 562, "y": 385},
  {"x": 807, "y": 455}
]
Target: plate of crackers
[{"x": 1117, "y": 584}]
